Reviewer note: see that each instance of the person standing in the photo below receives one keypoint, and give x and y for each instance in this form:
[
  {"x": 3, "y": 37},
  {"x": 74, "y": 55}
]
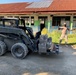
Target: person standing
[{"x": 63, "y": 34}]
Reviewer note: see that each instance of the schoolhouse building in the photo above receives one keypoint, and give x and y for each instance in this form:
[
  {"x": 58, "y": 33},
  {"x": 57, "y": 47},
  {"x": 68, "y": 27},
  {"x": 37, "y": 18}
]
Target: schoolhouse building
[{"x": 45, "y": 13}]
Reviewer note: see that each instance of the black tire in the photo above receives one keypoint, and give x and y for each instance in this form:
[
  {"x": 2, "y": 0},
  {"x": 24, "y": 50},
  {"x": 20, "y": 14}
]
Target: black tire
[
  {"x": 49, "y": 42},
  {"x": 19, "y": 50},
  {"x": 2, "y": 48}
]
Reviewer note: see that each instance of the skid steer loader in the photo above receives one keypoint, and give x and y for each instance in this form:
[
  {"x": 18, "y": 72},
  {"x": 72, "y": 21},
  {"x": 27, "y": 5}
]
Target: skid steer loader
[{"x": 19, "y": 39}]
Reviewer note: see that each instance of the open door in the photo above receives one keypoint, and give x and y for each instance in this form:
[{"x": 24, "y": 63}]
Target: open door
[
  {"x": 42, "y": 22},
  {"x": 42, "y": 26}
]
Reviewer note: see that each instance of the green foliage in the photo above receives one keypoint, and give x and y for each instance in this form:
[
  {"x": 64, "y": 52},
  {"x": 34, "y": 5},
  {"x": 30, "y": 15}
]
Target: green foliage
[
  {"x": 56, "y": 35},
  {"x": 71, "y": 38}
]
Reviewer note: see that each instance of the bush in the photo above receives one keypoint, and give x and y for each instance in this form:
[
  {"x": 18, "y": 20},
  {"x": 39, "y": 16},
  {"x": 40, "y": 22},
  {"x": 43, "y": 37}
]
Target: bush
[
  {"x": 56, "y": 35},
  {"x": 71, "y": 38}
]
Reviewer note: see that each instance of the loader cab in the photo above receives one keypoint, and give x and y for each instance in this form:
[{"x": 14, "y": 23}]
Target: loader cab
[
  {"x": 9, "y": 22},
  {"x": 17, "y": 23},
  {"x": 27, "y": 30}
]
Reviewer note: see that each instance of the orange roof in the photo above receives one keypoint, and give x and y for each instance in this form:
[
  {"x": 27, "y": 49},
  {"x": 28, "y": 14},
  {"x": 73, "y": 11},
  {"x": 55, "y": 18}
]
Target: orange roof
[
  {"x": 12, "y": 7},
  {"x": 63, "y": 5},
  {"x": 18, "y": 8},
  {"x": 56, "y": 6}
]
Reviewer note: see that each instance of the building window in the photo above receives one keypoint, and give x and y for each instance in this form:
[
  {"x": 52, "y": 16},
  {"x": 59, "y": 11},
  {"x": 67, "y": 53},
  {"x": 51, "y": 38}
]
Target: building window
[
  {"x": 74, "y": 21},
  {"x": 27, "y": 20},
  {"x": 1, "y": 16},
  {"x": 42, "y": 19},
  {"x": 1, "y": 22},
  {"x": 16, "y": 16},
  {"x": 32, "y": 20},
  {"x": 56, "y": 21},
  {"x": 9, "y": 16},
  {"x": 59, "y": 20}
]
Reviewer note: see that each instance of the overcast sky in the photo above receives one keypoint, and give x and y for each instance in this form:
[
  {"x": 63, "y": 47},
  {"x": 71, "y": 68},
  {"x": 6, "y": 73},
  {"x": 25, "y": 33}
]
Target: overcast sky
[{"x": 14, "y": 1}]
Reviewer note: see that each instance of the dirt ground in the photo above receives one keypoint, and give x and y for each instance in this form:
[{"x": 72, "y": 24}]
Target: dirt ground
[{"x": 35, "y": 64}]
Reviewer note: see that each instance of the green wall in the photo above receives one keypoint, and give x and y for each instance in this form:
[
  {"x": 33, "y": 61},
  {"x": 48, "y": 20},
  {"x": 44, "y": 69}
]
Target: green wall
[{"x": 36, "y": 22}]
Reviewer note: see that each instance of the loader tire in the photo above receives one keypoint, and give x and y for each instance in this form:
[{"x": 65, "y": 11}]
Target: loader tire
[
  {"x": 2, "y": 48},
  {"x": 19, "y": 50}
]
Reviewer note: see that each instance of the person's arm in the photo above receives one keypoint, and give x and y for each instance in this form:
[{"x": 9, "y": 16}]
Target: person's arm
[
  {"x": 68, "y": 29},
  {"x": 60, "y": 28}
]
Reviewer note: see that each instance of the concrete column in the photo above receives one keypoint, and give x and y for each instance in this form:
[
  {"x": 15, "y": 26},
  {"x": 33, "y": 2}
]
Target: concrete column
[
  {"x": 36, "y": 23},
  {"x": 29, "y": 21},
  {"x": 5, "y": 17},
  {"x": 49, "y": 22},
  {"x": 36, "y": 17},
  {"x": 71, "y": 23}
]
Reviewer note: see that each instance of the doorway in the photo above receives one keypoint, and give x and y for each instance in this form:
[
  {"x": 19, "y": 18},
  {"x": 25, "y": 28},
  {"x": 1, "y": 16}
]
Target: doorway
[{"x": 42, "y": 22}]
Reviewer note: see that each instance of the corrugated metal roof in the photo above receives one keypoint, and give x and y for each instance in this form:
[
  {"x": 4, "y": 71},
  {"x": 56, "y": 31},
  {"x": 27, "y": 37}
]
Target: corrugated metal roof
[{"x": 41, "y": 4}]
